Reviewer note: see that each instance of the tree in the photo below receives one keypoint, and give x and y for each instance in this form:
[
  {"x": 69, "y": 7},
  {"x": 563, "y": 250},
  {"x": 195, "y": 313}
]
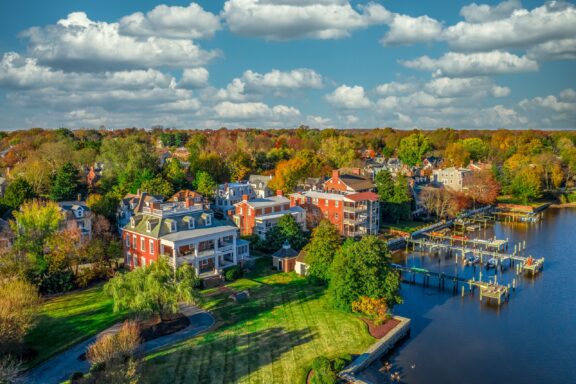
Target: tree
[
  {"x": 483, "y": 188},
  {"x": 112, "y": 355},
  {"x": 17, "y": 192},
  {"x": 362, "y": 268},
  {"x": 286, "y": 230},
  {"x": 398, "y": 207},
  {"x": 526, "y": 184},
  {"x": 19, "y": 306},
  {"x": 436, "y": 201},
  {"x": 339, "y": 150},
  {"x": 320, "y": 251},
  {"x": 205, "y": 184},
  {"x": 288, "y": 174},
  {"x": 375, "y": 309},
  {"x": 456, "y": 155},
  {"x": 476, "y": 147},
  {"x": 156, "y": 289},
  {"x": 158, "y": 186},
  {"x": 385, "y": 185},
  {"x": 174, "y": 173},
  {"x": 413, "y": 148},
  {"x": 33, "y": 224},
  {"x": 106, "y": 205},
  {"x": 65, "y": 183}
]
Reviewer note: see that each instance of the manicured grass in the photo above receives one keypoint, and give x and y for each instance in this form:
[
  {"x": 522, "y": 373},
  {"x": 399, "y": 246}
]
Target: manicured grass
[
  {"x": 405, "y": 225},
  {"x": 270, "y": 338},
  {"x": 68, "y": 319},
  {"x": 518, "y": 201}
]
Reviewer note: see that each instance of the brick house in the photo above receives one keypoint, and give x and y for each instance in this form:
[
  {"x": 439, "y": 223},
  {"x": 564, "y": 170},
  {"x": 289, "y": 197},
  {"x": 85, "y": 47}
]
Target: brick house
[
  {"x": 185, "y": 233},
  {"x": 184, "y": 194},
  {"x": 354, "y": 214},
  {"x": 348, "y": 181},
  {"x": 229, "y": 194},
  {"x": 284, "y": 259},
  {"x": 257, "y": 216}
]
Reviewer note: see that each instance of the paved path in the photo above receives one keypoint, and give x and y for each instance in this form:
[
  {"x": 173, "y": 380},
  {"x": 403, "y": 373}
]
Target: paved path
[{"x": 60, "y": 367}]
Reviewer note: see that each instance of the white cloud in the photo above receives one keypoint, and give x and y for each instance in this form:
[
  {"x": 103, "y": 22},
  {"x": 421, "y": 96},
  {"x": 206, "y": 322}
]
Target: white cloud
[
  {"x": 395, "y": 88},
  {"x": 470, "y": 87},
  {"x": 299, "y": 19},
  {"x": 317, "y": 121},
  {"x": 568, "y": 94},
  {"x": 564, "y": 49},
  {"x": 351, "y": 119},
  {"x": 247, "y": 111},
  {"x": 190, "y": 22},
  {"x": 473, "y": 64},
  {"x": 549, "y": 102},
  {"x": 80, "y": 44},
  {"x": 552, "y": 21},
  {"x": 17, "y": 72},
  {"x": 194, "y": 78},
  {"x": 349, "y": 97},
  {"x": 482, "y": 13},
  {"x": 403, "y": 119},
  {"x": 410, "y": 30},
  {"x": 233, "y": 91},
  {"x": 275, "y": 79}
]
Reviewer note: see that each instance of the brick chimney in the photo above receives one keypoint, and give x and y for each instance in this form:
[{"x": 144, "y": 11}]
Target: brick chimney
[
  {"x": 188, "y": 202},
  {"x": 79, "y": 197},
  {"x": 335, "y": 175},
  {"x": 244, "y": 197},
  {"x": 279, "y": 192}
]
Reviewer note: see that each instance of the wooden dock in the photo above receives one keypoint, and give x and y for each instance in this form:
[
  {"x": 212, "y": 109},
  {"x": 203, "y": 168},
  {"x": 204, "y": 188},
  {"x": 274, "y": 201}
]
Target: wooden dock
[{"x": 491, "y": 290}]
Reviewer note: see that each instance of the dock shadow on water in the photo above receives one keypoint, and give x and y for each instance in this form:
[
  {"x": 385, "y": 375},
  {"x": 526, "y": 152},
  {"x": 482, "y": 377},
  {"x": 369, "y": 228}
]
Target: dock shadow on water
[{"x": 527, "y": 339}]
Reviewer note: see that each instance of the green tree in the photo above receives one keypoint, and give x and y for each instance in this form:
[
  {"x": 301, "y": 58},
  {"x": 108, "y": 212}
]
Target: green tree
[
  {"x": 175, "y": 174},
  {"x": 17, "y": 192},
  {"x": 65, "y": 183},
  {"x": 19, "y": 306},
  {"x": 398, "y": 207},
  {"x": 154, "y": 290},
  {"x": 320, "y": 251},
  {"x": 158, "y": 186},
  {"x": 413, "y": 148},
  {"x": 286, "y": 230},
  {"x": 340, "y": 151},
  {"x": 205, "y": 184},
  {"x": 526, "y": 184},
  {"x": 362, "y": 268},
  {"x": 477, "y": 148},
  {"x": 385, "y": 185},
  {"x": 106, "y": 205}
]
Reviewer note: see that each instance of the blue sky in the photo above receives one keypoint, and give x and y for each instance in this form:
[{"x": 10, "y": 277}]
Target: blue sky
[{"x": 282, "y": 63}]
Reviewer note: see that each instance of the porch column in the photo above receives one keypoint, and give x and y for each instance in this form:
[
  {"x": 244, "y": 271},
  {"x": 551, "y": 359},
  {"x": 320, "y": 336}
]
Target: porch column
[
  {"x": 234, "y": 250},
  {"x": 216, "y": 256},
  {"x": 174, "y": 256}
]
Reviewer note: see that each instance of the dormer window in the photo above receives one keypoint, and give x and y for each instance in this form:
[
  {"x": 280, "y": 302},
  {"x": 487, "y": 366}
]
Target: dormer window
[
  {"x": 191, "y": 224},
  {"x": 209, "y": 220},
  {"x": 148, "y": 227},
  {"x": 174, "y": 226},
  {"x": 132, "y": 222}
]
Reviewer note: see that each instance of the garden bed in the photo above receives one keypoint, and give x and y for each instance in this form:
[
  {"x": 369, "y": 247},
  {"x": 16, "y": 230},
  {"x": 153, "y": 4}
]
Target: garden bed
[
  {"x": 379, "y": 331},
  {"x": 154, "y": 329}
]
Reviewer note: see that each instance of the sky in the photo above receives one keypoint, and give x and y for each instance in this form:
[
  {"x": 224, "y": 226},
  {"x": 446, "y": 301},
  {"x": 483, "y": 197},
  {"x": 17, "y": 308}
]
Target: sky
[{"x": 284, "y": 63}]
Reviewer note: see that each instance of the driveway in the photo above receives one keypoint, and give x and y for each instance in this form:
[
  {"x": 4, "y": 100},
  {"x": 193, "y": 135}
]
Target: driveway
[{"x": 60, "y": 367}]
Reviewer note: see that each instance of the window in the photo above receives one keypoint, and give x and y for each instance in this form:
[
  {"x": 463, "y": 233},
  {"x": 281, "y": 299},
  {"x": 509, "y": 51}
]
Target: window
[
  {"x": 325, "y": 202},
  {"x": 336, "y": 216},
  {"x": 148, "y": 226},
  {"x": 151, "y": 247},
  {"x": 191, "y": 223},
  {"x": 142, "y": 261},
  {"x": 128, "y": 240},
  {"x": 134, "y": 243},
  {"x": 336, "y": 203},
  {"x": 173, "y": 226},
  {"x": 132, "y": 222},
  {"x": 209, "y": 220},
  {"x": 142, "y": 244}
]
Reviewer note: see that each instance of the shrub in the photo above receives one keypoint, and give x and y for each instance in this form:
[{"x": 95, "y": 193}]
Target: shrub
[
  {"x": 323, "y": 371},
  {"x": 118, "y": 347},
  {"x": 10, "y": 369},
  {"x": 233, "y": 273},
  {"x": 19, "y": 303},
  {"x": 57, "y": 282}
]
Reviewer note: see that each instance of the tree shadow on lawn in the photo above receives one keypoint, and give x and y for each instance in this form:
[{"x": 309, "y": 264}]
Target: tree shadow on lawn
[{"x": 228, "y": 358}]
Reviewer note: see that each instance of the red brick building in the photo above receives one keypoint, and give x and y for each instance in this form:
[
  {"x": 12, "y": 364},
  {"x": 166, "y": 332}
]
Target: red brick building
[
  {"x": 257, "y": 216},
  {"x": 354, "y": 214},
  {"x": 348, "y": 181}
]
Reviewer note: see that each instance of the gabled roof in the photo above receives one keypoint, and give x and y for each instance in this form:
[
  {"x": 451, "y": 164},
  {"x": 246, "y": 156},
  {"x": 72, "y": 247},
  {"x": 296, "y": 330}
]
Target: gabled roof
[{"x": 356, "y": 182}]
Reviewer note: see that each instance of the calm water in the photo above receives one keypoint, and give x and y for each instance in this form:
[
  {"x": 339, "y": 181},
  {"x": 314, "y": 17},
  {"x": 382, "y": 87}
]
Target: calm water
[{"x": 530, "y": 339}]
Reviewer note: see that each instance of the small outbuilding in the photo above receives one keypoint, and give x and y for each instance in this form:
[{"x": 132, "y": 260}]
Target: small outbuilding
[
  {"x": 301, "y": 267},
  {"x": 285, "y": 258}
]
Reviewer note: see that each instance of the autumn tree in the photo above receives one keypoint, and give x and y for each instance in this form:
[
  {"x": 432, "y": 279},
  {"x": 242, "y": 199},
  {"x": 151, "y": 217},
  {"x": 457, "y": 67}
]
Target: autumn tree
[
  {"x": 158, "y": 186},
  {"x": 174, "y": 173},
  {"x": 362, "y": 268},
  {"x": 376, "y": 309},
  {"x": 19, "y": 306},
  {"x": 413, "y": 148},
  {"x": 483, "y": 188},
  {"x": 288, "y": 174},
  {"x": 526, "y": 184},
  {"x": 456, "y": 155},
  {"x": 320, "y": 251},
  {"x": 205, "y": 184},
  {"x": 476, "y": 147},
  {"x": 340, "y": 151}
]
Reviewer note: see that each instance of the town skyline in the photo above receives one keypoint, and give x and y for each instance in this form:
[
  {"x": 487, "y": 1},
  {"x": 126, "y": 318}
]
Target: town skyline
[{"x": 280, "y": 64}]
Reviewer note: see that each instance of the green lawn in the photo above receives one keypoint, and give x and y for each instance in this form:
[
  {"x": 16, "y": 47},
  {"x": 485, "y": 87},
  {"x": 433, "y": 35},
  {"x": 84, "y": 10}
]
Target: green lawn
[
  {"x": 405, "y": 225},
  {"x": 271, "y": 338},
  {"x": 68, "y": 319}
]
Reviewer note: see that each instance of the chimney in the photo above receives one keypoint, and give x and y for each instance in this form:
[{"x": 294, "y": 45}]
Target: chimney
[
  {"x": 244, "y": 197},
  {"x": 79, "y": 197},
  {"x": 188, "y": 202},
  {"x": 279, "y": 192},
  {"x": 335, "y": 175}
]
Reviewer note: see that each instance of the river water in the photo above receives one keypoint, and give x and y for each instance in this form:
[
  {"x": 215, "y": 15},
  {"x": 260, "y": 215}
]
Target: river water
[{"x": 530, "y": 339}]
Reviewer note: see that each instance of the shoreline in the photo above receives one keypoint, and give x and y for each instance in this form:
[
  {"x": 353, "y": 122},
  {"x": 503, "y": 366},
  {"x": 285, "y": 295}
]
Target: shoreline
[{"x": 564, "y": 205}]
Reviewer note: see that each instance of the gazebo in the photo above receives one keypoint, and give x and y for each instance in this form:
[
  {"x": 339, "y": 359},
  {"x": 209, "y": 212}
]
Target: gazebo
[{"x": 285, "y": 258}]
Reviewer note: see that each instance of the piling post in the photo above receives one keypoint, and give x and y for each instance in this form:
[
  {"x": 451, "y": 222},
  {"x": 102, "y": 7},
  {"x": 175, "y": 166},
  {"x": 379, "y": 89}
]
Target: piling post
[{"x": 514, "y": 284}]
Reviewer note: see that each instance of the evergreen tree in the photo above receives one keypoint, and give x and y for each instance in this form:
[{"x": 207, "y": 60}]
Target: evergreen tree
[
  {"x": 65, "y": 184},
  {"x": 17, "y": 192},
  {"x": 286, "y": 230},
  {"x": 205, "y": 184}
]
